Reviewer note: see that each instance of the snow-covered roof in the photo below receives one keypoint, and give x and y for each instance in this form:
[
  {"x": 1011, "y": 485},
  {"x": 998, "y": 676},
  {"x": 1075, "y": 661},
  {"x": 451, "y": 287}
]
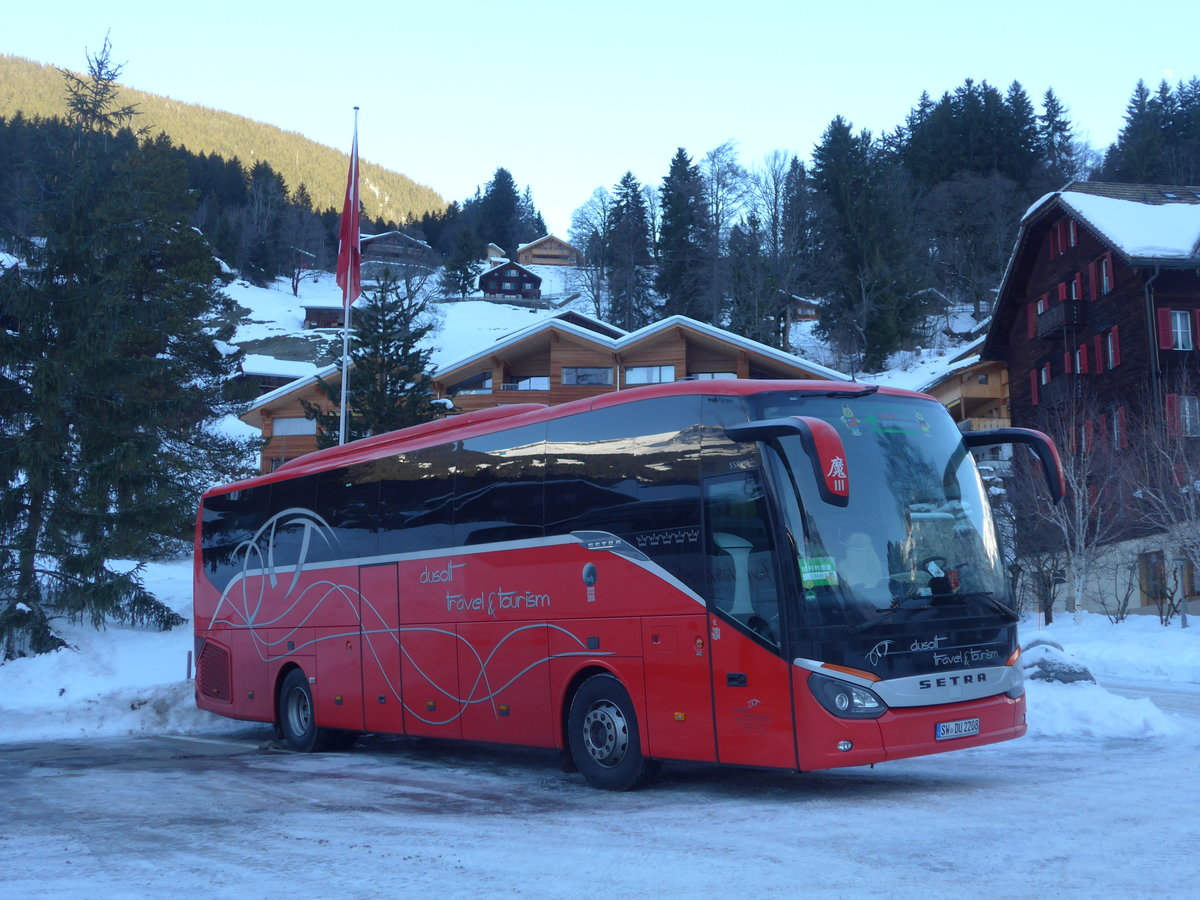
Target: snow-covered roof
[
  {"x": 1144, "y": 223},
  {"x": 624, "y": 340},
  {"x": 259, "y": 364}
]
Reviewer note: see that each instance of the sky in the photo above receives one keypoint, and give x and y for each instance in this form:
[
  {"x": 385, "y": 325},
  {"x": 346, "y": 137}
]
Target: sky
[{"x": 569, "y": 96}]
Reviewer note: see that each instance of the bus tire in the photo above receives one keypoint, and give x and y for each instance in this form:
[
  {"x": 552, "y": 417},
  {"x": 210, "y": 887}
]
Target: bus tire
[
  {"x": 602, "y": 732},
  {"x": 297, "y": 719}
]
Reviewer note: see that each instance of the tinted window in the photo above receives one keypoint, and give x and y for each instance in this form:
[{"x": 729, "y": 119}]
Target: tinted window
[
  {"x": 293, "y": 529},
  {"x": 228, "y": 523},
  {"x": 634, "y": 471},
  {"x": 348, "y": 500},
  {"x": 498, "y": 486},
  {"x": 416, "y": 500}
]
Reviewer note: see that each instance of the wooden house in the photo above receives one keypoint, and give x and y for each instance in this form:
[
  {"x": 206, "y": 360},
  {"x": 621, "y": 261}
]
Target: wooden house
[
  {"x": 565, "y": 357},
  {"x": 549, "y": 251},
  {"x": 572, "y": 356},
  {"x": 510, "y": 279},
  {"x": 1102, "y": 294},
  {"x": 1098, "y": 315}
]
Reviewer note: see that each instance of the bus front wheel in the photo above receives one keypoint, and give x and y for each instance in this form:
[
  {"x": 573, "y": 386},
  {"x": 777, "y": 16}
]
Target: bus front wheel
[
  {"x": 297, "y": 717},
  {"x": 602, "y": 733}
]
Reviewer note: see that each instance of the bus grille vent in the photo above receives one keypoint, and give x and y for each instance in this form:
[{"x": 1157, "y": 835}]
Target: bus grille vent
[{"x": 213, "y": 678}]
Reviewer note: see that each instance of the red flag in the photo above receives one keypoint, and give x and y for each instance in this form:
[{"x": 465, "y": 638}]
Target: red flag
[{"x": 349, "y": 264}]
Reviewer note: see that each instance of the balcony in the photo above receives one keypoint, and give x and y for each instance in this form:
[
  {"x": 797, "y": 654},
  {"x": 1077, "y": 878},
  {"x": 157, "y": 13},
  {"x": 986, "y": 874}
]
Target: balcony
[
  {"x": 984, "y": 423},
  {"x": 1062, "y": 318},
  {"x": 1060, "y": 389}
]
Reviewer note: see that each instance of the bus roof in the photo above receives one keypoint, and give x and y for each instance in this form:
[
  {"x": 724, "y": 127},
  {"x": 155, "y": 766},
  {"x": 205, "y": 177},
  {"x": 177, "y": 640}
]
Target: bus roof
[{"x": 500, "y": 418}]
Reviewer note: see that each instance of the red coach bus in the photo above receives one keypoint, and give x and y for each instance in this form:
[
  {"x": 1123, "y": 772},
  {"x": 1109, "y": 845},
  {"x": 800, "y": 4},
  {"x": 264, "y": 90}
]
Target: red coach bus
[{"x": 796, "y": 575}]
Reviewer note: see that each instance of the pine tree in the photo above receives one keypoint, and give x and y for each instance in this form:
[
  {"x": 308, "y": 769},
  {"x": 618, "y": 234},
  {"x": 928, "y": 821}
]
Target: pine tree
[
  {"x": 1139, "y": 151},
  {"x": 500, "y": 212},
  {"x": 111, "y": 377},
  {"x": 462, "y": 267},
  {"x": 681, "y": 238},
  {"x": 630, "y": 296},
  {"x": 1056, "y": 141},
  {"x": 389, "y": 385}
]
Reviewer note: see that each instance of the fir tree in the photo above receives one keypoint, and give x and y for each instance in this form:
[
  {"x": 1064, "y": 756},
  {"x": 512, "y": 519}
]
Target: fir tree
[
  {"x": 1056, "y": 141},
  {"x": 630, "y": 297},
  {"x": 500, "y": 212},
  {"x": 111, "y": 378},
  {"x": 389, "y": 385},
  {"x": 681, "y": 238}
]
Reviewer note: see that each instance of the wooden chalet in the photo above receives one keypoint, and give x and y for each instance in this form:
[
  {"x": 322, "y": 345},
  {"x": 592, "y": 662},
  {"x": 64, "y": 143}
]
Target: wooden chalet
[
  {"x": 571, "y": 356},
  {"x": 974, "y": 390},
  {"x": 549, "y": 251},
  {"x": 566, "y": 357},
  {"x": 393, "y": 251},
  {"x": 1100, "y": 306},
  {"x": 510, "y": 279},
  {"x": 1103, "y": 293}
]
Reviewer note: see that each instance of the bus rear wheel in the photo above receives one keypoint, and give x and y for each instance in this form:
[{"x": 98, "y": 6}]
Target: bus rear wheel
[
  {"x": 297, "y": 717},
  {"x": 602, "y": 733}
]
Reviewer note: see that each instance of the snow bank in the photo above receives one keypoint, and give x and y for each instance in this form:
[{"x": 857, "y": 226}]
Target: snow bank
[{"x": 128, "y": 681}]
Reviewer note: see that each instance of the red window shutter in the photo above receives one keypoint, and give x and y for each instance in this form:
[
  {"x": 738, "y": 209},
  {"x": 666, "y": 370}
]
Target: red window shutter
[
  {"x": 1078, "y": 285},
  {"x": 1116, "y": 344},
  {"x": 1164, "y": 330},
  {"x": 1196, "y": 329},
  {"x": 1053, "y": 238},
  {"x": 1098, "y": 350},
  {"x": 1067, "y": 362},
  {"x": 1033, "y": 386},
  {"x": 1062, "y": 291},
  {"x": 1173, "y": 413},
  {"x": 1062, "y": 237},
  {"x": 1031, "y": 320},
  {"x": 1093, "y": 287}
]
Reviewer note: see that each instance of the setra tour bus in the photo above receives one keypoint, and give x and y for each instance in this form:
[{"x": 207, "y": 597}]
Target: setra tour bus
[{"x": 787, "y": 574}]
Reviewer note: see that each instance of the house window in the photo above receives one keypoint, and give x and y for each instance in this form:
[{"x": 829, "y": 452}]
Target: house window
[
  {"x": 586, "y": 375},
  {"x": 291, "y": 425},
  {"x": 1072, "y": 233},
  {"x": 512, "y": 273},
  {"x": 712, "y": 376},
  {"x": 649, "y": 374},
  {"x": 527, "y": 383},
  {"x": 1181, "y": 330},
  {"x": 1106, "y": 279},
  {"x": 1115, "y": 424},
  {"x": 1041, "y": 304},
  {"x": 476, "y": 384},
  {"x": 1044, "y": 374},
  {"x": 529, "y": 285},
  {"x": 506, "y": 285},
  {"x": 1189, "y": 415}
]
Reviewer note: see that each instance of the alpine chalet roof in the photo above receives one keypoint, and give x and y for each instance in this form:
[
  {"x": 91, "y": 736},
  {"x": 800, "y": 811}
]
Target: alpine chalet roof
[{"x": 1147, "y": 224}]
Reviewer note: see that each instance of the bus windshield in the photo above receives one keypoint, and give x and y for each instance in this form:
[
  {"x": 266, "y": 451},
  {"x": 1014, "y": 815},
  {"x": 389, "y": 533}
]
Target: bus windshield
[{"x": 915, "y": 541}]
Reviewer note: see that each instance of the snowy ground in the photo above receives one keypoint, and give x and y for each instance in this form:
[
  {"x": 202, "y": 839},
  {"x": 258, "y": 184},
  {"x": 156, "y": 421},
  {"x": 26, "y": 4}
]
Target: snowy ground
[{"x": 1098, "y": 800}]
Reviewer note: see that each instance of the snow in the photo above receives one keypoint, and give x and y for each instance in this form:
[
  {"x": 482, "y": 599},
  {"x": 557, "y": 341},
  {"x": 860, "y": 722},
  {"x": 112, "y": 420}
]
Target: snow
[
  {"x": 1141, "y": 230},
  {"x": 1097, "y": 800}
]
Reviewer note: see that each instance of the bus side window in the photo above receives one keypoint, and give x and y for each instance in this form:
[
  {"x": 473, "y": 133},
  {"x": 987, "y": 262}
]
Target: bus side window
[
  {"x": 740, "y": 552},
  {"x": 416, "y": 500}
]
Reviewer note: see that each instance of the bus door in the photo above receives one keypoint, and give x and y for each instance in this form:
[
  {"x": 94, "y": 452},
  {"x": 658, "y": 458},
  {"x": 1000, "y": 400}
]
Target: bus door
[
  {"x": 752, "y": 701},
  {"x": 430, "y": 646},
  {"x": 381, "y": 685},
  {"x": 337, "y": 646}
]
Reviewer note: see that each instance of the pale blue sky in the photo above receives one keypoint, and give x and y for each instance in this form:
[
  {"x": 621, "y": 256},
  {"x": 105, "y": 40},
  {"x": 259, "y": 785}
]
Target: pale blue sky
[{"x": 567, "y": 96}]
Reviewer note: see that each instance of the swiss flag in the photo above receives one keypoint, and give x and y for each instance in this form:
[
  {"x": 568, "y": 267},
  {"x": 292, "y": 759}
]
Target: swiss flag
[{"x": 349, "y": 264}]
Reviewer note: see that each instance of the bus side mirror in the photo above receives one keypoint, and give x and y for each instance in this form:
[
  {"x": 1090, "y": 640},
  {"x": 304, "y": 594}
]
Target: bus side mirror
[
  {"x": 821, "y": 444},
  {"x": 1039, "y": 443}
]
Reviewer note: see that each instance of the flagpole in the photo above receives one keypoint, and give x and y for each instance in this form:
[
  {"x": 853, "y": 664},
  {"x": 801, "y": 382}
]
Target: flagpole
[{"x": 349, "y": 270}]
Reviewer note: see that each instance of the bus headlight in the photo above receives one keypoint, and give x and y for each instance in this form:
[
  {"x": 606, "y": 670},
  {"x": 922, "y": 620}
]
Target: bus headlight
[{"x": 846, "y": 701}]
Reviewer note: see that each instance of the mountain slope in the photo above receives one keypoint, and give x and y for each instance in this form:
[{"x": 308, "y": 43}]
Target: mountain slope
[{"x": 37, "y": 90}]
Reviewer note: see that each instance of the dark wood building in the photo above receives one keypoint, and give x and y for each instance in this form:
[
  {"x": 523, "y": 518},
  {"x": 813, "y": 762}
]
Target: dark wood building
[
  {"x": 510, "y": 279},
  {"x": 1102, "y": 297}
]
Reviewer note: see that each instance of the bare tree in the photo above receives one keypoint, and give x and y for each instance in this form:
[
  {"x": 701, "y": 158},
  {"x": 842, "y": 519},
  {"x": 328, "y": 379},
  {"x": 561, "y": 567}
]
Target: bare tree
[
  {"x": 591, "y": 231},
  {"x": 1096, "y": 468}
]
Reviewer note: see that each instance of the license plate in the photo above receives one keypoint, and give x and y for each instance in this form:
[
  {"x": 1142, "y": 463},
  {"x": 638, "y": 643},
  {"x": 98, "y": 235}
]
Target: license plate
[{"x": 948, "y": 731}]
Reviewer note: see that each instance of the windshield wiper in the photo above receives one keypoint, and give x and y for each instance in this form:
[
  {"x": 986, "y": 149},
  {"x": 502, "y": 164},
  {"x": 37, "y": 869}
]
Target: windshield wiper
[
  {"x": 884, "y": 615},
  {"x": 861, "y": 392},
  {"x": 992, "y": 603}
]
